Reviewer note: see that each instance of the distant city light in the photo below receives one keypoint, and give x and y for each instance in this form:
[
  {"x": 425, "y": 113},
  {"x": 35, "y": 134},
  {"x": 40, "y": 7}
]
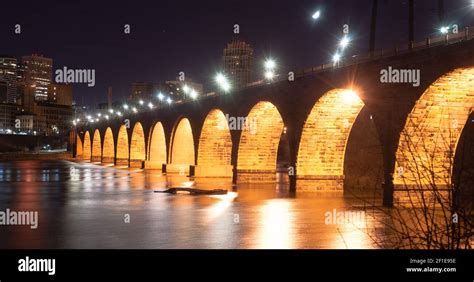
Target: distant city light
[
  {"x": 99, "y": 114},
  {"x": 161, "y": 96},
  {"x": 169, "y": 100},
  {"x": 134, "y": 109},
  {"x": 150, "y": 105},
  {"x": 344, "y": 42},
  {"x": 316, "y": 15},
  {"x": 119, "y": 114},
  {"x": 141, "y": 102},
  {"x": 111, "y": 111},
  {"x": 336, "y": 58},
  {"x": 106, "y": 117},
  {"x": 125, "y": 106}
]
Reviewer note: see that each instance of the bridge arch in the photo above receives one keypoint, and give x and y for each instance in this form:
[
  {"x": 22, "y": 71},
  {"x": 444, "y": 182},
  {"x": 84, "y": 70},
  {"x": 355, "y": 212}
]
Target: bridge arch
[
  {"x": 79, "y": 147},
  {"x": 322, "y": 147},
  {"x": 156, "y": 147},
  {"x": 428, "y": 141},
  {"x": 182, "y": 148},
  {"x": 87, "y": 146},
  {"x": 215, "y": 147},
  {"x": 96, "y": 147},
  {"x": 122, "y": 154},
  {"x": 108, "y": 147},
  {"x": 259, "y": 140},
  {"x": 137, "y": 146}
]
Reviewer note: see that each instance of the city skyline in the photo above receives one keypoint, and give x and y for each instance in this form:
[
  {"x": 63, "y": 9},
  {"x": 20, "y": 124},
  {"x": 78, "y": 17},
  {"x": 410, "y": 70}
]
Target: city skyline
[{"x": 197, "y": 39}]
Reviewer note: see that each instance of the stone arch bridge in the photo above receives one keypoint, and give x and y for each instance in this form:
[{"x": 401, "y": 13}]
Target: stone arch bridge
[{"x": 333, "y": 127}]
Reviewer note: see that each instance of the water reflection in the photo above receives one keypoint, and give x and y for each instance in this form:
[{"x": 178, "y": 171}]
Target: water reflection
[{"x": 83, "y": 205}]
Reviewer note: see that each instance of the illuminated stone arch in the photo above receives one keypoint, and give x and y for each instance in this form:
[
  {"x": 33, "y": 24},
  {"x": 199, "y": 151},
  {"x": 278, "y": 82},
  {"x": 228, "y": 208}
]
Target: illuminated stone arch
[
  {"x": 108, "y": 148},
  {"x": 156, "y": 147},
  {"x": 79, "y": 147},
  {"x": 96, "y": 147},
  {"x": 87, "y": 146},
  {"x": 137, "y": 146},
  {"x": 258, "y": 147},
  {"x": 428, "y": 142},
  {"x": 182, "y": 148},
  {"x": 322, "y": 147},
  {"x": 215, "y": 147},
  {"x": 122, "y": 155}
]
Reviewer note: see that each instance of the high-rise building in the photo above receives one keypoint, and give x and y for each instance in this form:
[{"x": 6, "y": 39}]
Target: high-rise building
[
  {"x": 8, "y": 79},
  {"x": 238, "y": 59},
  {"x": 39, "y": 71},
  {"x": 143, "y": 90},
  {"x": 60, "y": 94}
]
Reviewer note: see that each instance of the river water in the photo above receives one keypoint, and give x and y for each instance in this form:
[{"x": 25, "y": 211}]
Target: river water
[{"x": 84, "y": 205}]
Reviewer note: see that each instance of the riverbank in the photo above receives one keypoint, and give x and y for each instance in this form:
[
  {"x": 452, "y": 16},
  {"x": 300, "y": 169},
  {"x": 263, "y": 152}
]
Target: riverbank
[{"x": 45, "y": 156}]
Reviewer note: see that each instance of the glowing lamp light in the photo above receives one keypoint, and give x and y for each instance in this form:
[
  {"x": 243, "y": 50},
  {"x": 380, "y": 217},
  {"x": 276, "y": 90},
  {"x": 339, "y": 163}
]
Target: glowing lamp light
[
  {"x": 316, "y": 15},
  {"x": 269, "y": 64},
  {"x": 193, "y": 94},
  {"x": 134, "y": 109},
  {"x": 186, "y": 89},
  {"x": 336, "y": 58},
  {"x": 169, "y": 100},
  {"x": 161, "y": 96},
  {"x": 349, "y": 97},
  {"x": 150, "y": 105},
  {"x": 111, "y": 111},
  {"x": 222, "y": 82},
  {"x": 344, "y": 42},
  {"x": 444, "y": 29},
  {"x": 141, "y": 102},
  {"x": 125, "y": 106},
  {"x": 269, "y": 75}
]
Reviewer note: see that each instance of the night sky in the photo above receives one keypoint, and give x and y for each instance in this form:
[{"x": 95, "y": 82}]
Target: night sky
[{"x": 172, "y": 36}]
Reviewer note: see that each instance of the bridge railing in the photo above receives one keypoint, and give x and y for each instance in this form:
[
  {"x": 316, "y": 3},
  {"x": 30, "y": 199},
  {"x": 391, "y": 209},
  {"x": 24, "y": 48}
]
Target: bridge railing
[
  {"x": 463, "y": 35},
  {"x": 466, "y": 34}
]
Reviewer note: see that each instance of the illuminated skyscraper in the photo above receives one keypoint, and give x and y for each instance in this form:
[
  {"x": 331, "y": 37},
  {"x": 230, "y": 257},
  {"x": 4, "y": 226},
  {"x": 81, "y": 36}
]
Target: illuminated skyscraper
[
  {"x": 38, "y": 71},
  {"x": 8, "y": 79},
  {"x": 238, "y": 59}
]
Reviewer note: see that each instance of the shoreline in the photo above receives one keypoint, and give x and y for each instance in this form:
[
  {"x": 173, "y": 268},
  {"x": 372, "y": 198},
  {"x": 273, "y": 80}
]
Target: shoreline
[{"x": 22, "y": 156}]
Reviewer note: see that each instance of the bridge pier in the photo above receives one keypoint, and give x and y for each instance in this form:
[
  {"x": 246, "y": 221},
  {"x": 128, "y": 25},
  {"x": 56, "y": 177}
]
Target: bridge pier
[
  {"x": 107, "y": 160},
  {"x": 256, "y": 176},
  {"x": 95, "y": 159},
  {"x": 180, "y": 169},
  {"x": 320, "y": 183},
  {"x": 213, "y": 171},
  {"x": 136, "y": 164},
  {"x": 153, "y": 165},
  {"x": 121, "y": 162},
  {"x": 421, "y": 196}
]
